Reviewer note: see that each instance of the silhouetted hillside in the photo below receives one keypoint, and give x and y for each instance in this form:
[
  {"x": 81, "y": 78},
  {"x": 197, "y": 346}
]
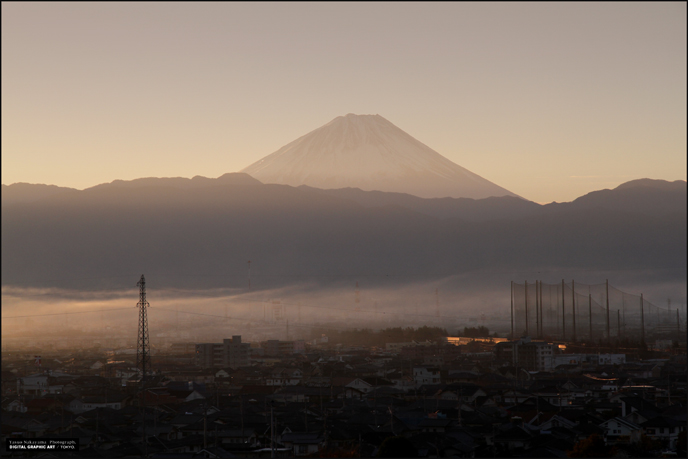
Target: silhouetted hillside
[
  {"x": 201, "y": 236},
  {"x": 18, "y": 193}
]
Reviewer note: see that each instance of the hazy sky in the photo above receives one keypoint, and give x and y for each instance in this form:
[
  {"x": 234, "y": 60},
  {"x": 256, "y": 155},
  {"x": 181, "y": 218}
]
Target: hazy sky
[{"x": 550, "y": 101}]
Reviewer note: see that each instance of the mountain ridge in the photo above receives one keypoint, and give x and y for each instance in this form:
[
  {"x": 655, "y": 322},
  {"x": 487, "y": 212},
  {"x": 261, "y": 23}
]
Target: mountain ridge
[
  {"x": 200, "y": 232},
  {"x": 651, "y": 196}
]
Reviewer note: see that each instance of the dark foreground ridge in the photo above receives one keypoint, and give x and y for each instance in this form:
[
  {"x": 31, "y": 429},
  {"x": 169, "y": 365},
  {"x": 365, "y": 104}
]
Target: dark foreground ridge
[{"x": 198, "y": 233}]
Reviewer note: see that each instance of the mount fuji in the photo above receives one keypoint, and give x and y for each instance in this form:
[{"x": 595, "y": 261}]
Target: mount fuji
[{"x": 370, "y": 153}]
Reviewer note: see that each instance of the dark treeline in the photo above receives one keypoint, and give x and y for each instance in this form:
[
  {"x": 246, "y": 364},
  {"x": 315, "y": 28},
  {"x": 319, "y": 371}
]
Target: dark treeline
[
  {"x": 475, "y": 332},
  {"x": 368, "y": 337}
]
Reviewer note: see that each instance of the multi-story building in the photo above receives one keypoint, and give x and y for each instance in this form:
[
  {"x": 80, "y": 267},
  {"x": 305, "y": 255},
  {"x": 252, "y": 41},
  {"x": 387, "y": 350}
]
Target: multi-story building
[
  {"x": 230, "y": 353},
  {"x": 237, "y": 354},
  {"x": 426, "y": 375},
  {"x": 531, "y": 355},
  {"x": 536, "y": 356}
]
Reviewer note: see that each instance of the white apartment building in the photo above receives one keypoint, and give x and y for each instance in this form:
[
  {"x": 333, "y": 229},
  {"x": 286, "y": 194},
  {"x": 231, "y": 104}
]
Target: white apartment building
[{"x": 426, "y": 375}]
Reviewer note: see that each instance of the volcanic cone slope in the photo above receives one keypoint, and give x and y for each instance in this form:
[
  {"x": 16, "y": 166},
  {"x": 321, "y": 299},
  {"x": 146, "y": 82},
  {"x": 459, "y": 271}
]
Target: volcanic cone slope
[{"x": 370, "y": 153}]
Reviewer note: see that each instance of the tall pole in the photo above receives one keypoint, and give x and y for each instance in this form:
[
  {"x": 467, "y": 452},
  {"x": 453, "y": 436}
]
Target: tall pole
[
  {"x": 143, "y": 346},
  {"x": 272, "y": 434},
  {"x": 642, "y": 320},
  {"x": 563, "y": 310},
  {"x": 512, "y": 312},
  {"x": 527, "y": 309},
  {"x": 573, "y": 307},
  {"x": 623, "y": 314},
  {"x": 590, "y": 313},
  {"x": 537, "y": 308},
  {"x": 143, "y": 351},
  {"x": 618, "y": 324},
  {"x": 608, "y": 335},
  {"x": 542, "y": 315}
]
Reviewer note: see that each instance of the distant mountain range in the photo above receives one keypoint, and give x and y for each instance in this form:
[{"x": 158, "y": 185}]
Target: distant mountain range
[
  {"x": 200, "y": 232},
  {"x": 370, "y": 153}
]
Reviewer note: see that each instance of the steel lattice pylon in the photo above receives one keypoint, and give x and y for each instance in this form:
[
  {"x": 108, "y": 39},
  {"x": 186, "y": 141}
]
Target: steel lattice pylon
[{"x": 143, "y": 362}]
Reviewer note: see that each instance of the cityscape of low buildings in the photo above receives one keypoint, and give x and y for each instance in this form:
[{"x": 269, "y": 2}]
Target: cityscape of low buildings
[{"x": 516, "y": 398}]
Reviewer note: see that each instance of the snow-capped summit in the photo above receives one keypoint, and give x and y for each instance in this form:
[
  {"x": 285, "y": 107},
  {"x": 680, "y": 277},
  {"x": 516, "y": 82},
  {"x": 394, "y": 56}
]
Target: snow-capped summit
[{"x": 370, "y": 153}]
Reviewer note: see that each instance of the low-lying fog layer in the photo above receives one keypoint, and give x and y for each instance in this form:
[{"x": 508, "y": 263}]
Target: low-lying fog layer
[{"x": 298, "y": 311}]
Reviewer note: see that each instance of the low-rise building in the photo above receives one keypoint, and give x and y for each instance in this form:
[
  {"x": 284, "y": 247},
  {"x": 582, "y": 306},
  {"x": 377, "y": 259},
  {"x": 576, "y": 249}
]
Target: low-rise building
[
  {"x": 426, "y": 375},
  {"x": 619, "y": 430},
  {"x": 611, "y": 359},
  {"x": 665, "y": 429}
]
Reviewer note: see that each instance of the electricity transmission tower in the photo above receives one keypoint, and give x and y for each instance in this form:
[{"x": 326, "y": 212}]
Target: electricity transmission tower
[{"x": 143, "y": 362}]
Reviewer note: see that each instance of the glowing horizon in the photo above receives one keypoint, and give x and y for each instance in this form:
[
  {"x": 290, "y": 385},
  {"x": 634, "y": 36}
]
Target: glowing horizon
[{"x": 550, "y": 101}]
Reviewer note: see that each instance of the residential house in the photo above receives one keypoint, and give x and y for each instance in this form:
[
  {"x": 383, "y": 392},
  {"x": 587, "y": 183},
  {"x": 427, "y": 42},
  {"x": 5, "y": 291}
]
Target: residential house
[
  {"x": 284, "y": 377},
  {"x": 665, "y": 429},
  {"x": 619, "y": 430}
]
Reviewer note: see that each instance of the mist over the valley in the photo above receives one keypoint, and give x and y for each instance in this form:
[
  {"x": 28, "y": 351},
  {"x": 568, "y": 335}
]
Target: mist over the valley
[
  {"x": 445, "y": 261},
  {"x": 60, "y": 317}
]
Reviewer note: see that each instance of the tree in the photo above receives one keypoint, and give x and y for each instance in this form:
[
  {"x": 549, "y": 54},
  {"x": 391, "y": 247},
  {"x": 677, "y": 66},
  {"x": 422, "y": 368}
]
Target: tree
[
  {"x": 479, "y": 332},
  {"x": 593, "y": 446},
  {"x": 644, "y": 447}
]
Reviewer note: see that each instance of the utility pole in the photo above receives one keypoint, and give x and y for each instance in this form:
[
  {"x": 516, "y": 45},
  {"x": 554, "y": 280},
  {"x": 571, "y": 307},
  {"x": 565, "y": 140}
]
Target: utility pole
[
  {"x": 623, "y": 314},
  {"x": 542, "y": 314},
  {"x": 527, "y": 332},
  {"x": 563, "y": 310},
  {"x": 608, "y": 335},
  {"x": 98, "y": 425},
  {"x": 512, "y": 313},
  {"x": 642, "y": 320},
  {"x": 537, "y": 308},
  {"x": 590, "y": 313},
  {"x": 272, "y": 431},
  {"x": 573, "y": 307}
]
